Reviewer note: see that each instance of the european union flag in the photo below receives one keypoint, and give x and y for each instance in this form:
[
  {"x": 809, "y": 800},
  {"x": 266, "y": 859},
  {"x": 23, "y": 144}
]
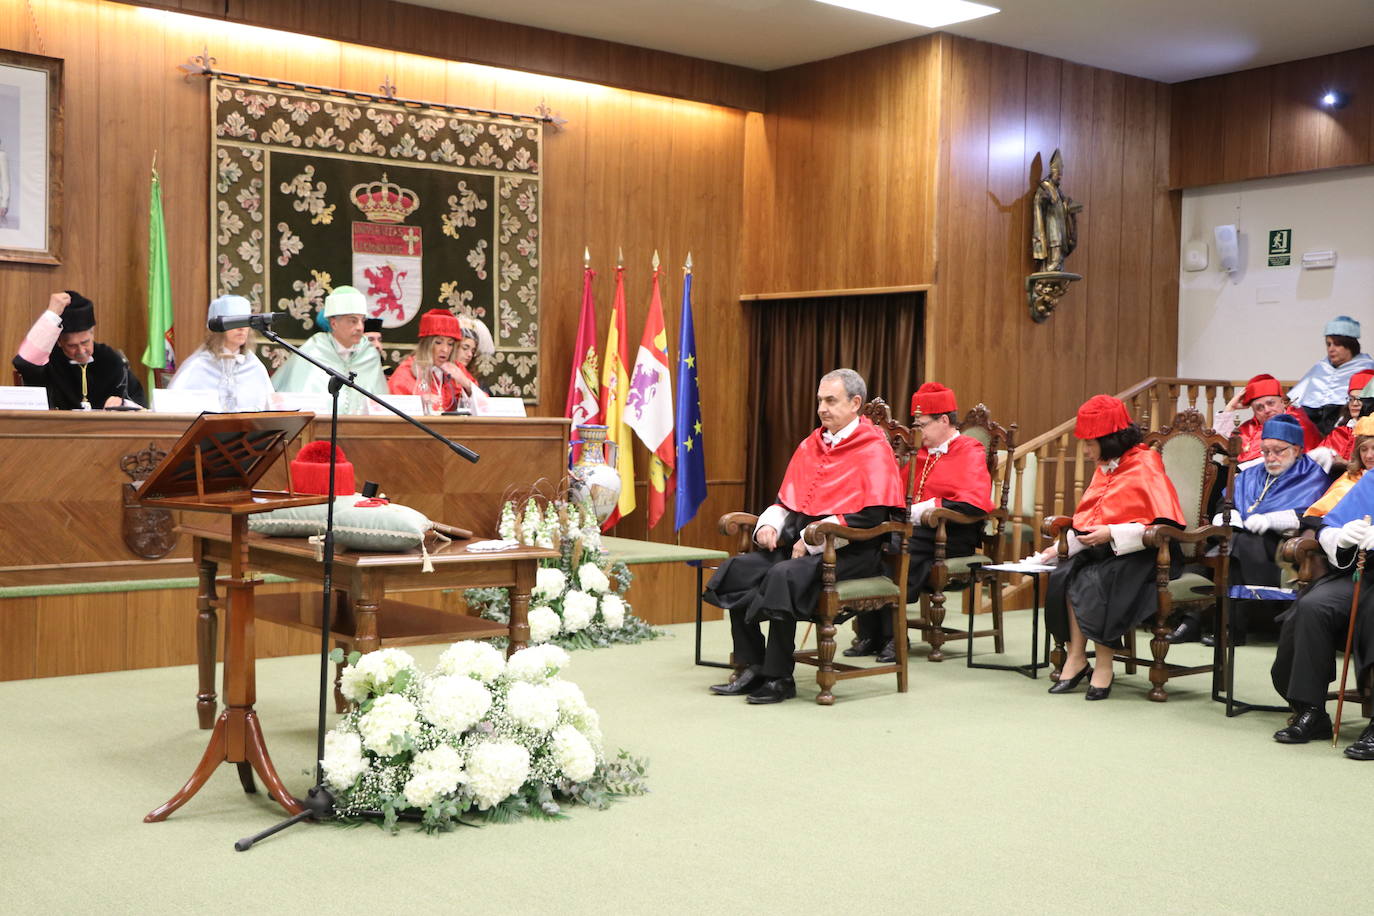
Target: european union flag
[{"x": 691, "y": 452}]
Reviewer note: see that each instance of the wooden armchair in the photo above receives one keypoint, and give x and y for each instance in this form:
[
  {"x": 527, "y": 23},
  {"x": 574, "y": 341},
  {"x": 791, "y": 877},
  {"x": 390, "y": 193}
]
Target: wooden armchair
[
  {"x": 961, "y": 573},
  {"x": 1187, "y": 449},
  {"x": 851, "y": 596}
]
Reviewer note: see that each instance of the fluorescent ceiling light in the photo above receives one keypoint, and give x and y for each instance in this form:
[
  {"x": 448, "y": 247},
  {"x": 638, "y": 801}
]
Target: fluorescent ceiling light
[{"x": 929, "y": 13}]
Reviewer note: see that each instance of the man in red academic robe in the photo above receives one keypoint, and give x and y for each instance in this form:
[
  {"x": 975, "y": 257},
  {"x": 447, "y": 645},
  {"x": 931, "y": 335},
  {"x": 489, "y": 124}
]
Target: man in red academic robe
[
  {"x": 843, "y": 472},
  {"x": 1264, "y": 396},
  {"x": 951, "y": 473}
]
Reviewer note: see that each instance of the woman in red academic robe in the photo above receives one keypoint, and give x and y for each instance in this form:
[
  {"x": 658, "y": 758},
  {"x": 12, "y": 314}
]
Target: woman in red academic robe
[
  {"x": 1108, "y": 578},
  {"x": 431, "y": 371}
]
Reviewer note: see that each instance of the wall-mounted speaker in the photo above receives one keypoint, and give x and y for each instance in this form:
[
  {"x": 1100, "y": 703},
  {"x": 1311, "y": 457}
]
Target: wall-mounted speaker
[{"x": 1228, "y": 248}]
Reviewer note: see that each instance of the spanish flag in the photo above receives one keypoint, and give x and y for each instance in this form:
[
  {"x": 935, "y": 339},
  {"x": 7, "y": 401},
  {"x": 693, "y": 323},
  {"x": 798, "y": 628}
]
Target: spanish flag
[{"x": 615, "y": 390}]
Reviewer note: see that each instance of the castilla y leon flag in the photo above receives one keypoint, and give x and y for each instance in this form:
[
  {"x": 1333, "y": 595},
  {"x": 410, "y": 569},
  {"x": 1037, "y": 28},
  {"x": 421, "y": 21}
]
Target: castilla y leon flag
[
  {"x": 691, "y": 448},
  {"x": 584, "y": 386},
  {"x": 649, "y": 407},
  {"x": 615, "y": 388}
]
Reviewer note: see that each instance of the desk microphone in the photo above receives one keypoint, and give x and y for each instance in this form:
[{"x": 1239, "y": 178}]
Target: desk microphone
[{"x": 258, "y": 321}]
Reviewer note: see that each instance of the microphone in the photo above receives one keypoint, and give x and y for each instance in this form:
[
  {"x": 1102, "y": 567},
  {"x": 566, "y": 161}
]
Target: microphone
[{"x": 258, "y": 321}]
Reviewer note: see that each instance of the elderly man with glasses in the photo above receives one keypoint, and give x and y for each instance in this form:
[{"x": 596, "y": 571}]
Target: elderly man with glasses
[{"x": 1269, "y": 499}]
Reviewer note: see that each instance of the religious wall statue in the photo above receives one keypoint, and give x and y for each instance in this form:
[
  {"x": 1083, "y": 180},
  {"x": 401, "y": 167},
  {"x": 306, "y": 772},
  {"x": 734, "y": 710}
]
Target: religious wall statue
[{"x": 1054, "y": 235}]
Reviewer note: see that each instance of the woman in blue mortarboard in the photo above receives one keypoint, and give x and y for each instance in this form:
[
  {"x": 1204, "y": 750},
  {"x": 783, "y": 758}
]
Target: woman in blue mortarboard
[
  {"x": 1314, "y": 627},
  {"x": 1269, "y": 499}
]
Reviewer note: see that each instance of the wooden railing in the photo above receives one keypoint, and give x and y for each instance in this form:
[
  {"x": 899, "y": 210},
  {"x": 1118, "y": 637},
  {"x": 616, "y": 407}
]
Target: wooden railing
[{"x": 1050, "y": 472}]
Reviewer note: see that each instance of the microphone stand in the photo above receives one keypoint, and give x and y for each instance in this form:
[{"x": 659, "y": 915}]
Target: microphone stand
[{"x": 319, "y": 802}]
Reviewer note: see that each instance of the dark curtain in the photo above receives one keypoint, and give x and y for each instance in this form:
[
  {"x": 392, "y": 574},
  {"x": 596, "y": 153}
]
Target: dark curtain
[{"x": 795, "y": 342}]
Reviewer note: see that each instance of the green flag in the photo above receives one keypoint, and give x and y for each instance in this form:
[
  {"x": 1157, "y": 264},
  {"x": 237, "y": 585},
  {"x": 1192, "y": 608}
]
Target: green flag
[{"x": 159, "y": 354}]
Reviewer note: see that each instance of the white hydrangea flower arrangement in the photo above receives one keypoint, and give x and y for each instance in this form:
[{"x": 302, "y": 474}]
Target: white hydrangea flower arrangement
[
  {"x": 478, "y": 738},
  {"x": 582, "y": 590}
]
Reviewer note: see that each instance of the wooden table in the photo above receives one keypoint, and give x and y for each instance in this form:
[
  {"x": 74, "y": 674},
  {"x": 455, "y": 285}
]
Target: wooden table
[{"x": 364, "y": 617}]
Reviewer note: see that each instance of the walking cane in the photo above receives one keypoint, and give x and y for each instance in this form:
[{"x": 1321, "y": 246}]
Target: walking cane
[{"x": 1349, "y": 640}]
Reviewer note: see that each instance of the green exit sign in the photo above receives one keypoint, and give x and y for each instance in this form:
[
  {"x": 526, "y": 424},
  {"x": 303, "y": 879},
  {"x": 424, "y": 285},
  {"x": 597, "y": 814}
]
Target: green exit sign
[{"x": 1280, "y": 247}]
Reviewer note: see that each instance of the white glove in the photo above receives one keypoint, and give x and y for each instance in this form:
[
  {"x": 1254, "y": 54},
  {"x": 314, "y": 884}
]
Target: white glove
[
  {"x": 1353, "y": 532},
  {"x": 1257, "y": 523},
  {"x": 1323, "y": 456},
  {"x": 1282, "y": 521},
  {"x": 1367, "y": 542},
  {"x": 919, "y": 510},
  {"x": 1235, "y": 519}
]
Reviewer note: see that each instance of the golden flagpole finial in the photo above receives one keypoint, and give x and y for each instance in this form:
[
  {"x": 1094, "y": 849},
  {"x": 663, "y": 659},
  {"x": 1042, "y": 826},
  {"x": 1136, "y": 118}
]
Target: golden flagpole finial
[
  {"x": 688, "y": 266},
  {"x": 587, "y": 257},
  {"x": 619, "y": 256},
  {"x": 655, "y": 259}
]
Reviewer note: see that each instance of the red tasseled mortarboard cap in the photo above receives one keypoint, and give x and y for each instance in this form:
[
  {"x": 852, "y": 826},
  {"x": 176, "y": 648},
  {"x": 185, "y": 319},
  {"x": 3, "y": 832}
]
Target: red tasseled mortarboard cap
[
  {"x": 440, "y": 323},
  {"x": 1261, "y": 386},
  {"x": 932, "y": 397},
  {"x": 310, "y": 470},
  {"x": 1101, "y": 415}
]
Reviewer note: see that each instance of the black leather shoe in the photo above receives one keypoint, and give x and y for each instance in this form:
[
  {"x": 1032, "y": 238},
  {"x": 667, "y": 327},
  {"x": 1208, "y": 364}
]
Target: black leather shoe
[
  {"x": 1099, "y": 693},
  {"x": 1208, "y": 639},
  {"x": 774, "y": 690},
  {"x": 863, "y": 645},
  {"x": 889, "y": 653},
  {"x": 1363, "y": 748},
  {"x": 744, "y": 682},
  {"x": 1064, "y": 686},
  {"x": 1188, "y": 630},
  {"x": 1310, "y": 724}
]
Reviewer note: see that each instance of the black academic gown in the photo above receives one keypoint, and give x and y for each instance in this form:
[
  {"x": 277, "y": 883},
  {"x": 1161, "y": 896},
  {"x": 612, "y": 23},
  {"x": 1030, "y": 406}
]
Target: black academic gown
[
  {"x": 1109, "y": 594},
  {"x": 771, "y": 585},
  {"x": 106, "y": 375},
  {"x": 1313, "y": 636}
]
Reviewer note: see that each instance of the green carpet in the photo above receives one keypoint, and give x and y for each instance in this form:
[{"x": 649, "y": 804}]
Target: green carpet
[{"x": 974, "y": 792}]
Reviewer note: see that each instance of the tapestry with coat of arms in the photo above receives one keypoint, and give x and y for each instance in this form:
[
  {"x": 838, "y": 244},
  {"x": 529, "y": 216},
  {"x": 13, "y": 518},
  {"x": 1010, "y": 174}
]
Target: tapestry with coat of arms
[{"x": 418, "y": 208}]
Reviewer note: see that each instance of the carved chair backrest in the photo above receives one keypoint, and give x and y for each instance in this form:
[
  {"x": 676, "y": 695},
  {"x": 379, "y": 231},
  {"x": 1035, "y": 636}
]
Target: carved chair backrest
[
  {"x": 999, "y": 442},
  {"x": 904, "y": 442},
  {"x": 1187, "y": 448}
]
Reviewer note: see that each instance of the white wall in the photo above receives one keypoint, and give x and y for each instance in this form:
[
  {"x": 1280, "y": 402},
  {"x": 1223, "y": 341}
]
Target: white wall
[{"x": 1224, "y": 331}]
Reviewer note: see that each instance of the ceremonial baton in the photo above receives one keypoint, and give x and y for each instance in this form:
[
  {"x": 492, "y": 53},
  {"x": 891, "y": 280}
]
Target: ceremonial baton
[{"x": 1349, "y": 640}]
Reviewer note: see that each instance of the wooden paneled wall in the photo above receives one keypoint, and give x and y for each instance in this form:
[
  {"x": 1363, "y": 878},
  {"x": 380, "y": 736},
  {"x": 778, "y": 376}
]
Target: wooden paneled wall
[
  {"x": 448, "y": 35},
  {"x": 632, "y": 170},
  {"x": 912, "y": 164},
  {"x": 1265, "y": 122},
  {"x": 842, "y": 173},
  {"x": 1004, "y": 112}
]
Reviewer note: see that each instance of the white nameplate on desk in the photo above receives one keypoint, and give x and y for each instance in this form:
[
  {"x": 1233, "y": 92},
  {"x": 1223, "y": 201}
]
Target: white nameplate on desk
[
  {"x": 20, "y": 397},
  {"x": 185, "y": 400},
  {"x": 317, "y": 402},
  {"x": 412, "y": 405},
  {"x": 498, "y": 407}
]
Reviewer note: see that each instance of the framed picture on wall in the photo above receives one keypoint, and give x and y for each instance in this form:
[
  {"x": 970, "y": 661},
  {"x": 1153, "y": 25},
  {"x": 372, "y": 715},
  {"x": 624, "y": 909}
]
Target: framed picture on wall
[{"x": 30, "y": 158}]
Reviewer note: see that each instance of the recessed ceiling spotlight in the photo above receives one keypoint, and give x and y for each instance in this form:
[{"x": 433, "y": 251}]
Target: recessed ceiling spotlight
[
  {"x": 1333, "y": 98},
  {"x": 931, "y": 14}
]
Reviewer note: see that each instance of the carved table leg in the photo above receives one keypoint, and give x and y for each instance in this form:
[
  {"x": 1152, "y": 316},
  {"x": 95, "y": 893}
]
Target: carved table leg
[
  {"x": 207, "y": 635},
  {"x": 365, "y": 605},
  {"x": 525, "y": 572}
]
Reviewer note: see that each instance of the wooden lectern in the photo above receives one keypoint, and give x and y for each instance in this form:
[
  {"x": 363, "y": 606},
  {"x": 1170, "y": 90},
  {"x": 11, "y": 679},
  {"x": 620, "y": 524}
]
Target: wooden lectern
[{"x": 213, "y": 468}]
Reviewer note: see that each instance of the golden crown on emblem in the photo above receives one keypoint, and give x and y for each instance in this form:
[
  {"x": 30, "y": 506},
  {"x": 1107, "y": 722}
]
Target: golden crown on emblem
[{"x": 384, "y": 201}]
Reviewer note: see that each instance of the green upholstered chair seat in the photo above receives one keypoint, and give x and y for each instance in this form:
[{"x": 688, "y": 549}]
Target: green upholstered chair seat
[
  {"x": 959, "y": 566},
  {"x": 1181, "y": 589},
  {"x": 870, "y": 587}
]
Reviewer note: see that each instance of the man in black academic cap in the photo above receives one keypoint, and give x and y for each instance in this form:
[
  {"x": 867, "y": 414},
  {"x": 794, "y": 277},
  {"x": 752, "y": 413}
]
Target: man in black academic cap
[{"x": 60, "y": 354}]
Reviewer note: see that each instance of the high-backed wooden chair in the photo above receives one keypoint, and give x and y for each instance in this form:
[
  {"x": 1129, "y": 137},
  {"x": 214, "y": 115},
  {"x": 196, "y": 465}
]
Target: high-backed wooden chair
[
  {"x": 852, "y": 596},
  {"x": 960, "y": 573},
  {"x": 1188, "y": 450}
]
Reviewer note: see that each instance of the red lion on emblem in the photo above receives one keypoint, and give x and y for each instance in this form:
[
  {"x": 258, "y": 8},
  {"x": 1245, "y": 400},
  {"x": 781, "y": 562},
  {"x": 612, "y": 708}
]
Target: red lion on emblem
[{"x": 384, "y": 283}]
